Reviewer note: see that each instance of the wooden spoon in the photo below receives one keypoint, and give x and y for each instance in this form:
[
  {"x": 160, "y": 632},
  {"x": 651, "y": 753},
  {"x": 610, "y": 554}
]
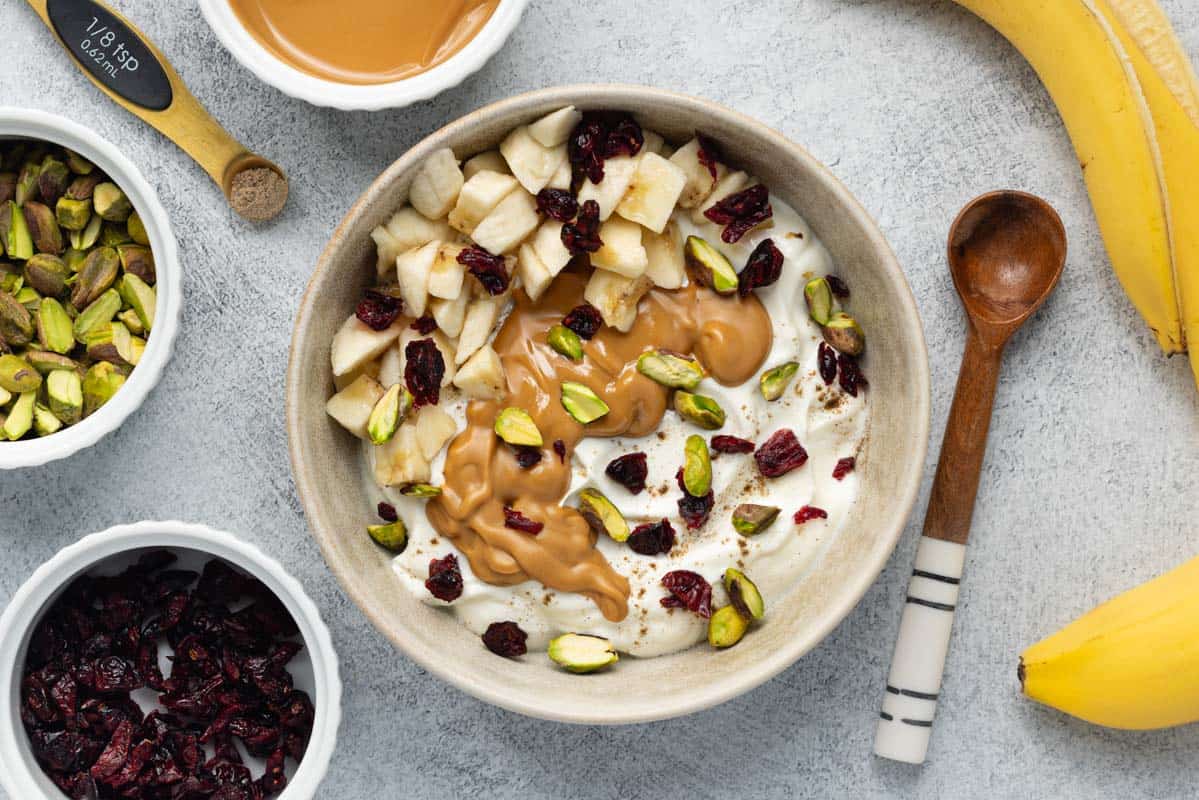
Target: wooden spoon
[
  {"x": 127, "y": 67},
  {"x": 1006, "y": 253}
]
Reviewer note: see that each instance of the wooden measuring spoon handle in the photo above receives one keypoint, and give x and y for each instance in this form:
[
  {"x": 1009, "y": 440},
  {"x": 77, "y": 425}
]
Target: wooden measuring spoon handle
[
  {"x": 918, "y": 665},
  {"x": 127, "y": 67}
]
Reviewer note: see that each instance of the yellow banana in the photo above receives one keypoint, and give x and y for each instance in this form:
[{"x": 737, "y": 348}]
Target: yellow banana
[
  {"x": 1172, "y": 93},
  {"x": 1133, "y": 662},
  {"x": 1087, "y": 73}
]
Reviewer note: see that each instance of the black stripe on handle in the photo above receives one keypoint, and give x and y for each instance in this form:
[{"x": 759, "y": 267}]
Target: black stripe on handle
[
  {"x": 111, "y": 52},
  {"x": 930, "y": 604},
  {"x": 932, "y": 576},
  {"x": 911, "y": 693}
]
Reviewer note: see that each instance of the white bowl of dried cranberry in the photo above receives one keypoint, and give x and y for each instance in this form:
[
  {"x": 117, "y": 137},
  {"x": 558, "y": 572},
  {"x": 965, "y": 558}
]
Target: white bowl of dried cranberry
[{"x": 237, "y": 626}]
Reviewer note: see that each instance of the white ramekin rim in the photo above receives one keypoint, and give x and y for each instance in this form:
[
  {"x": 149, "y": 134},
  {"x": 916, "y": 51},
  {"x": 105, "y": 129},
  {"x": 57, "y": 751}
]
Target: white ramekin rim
[
  {"x": 348, "y": 97},
  {"x": 26, "y": 604},
  {"x": 20, "y": 122}
]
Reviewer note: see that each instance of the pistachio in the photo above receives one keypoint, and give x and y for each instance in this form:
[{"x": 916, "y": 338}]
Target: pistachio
[
  {"x": 11, "y": 278},
  {"x": 111, "y": 203},
  {"x": 819, "y": 297},
  {"x": 142, "y": 299},
  {"x": 73, "y": 214},
  {"x": 137, "y": 260},
  {"x": 131, "y": 320},
  {"x": 74, "y": 259},
  {"x": 54, "y": 329},
  {"x": 113, "y": 234},
  {"x": 77, "y": 163},
  {"x": 670, "y": 370},
  {"x": 27, "y": 188},
  {"x": 17, "y": 240},
  {"x": 52, "y": 180},
  {"x": 697, "y": 466},
  {"x": 44, "y": 421},
  {"x": 744, "y": 594},
  {"x": 388, "y": 413},
  {"x": 750, "y": 519},
  {"x": 87, "y": 238},
  {"x": 111, "y": 342},
  {"x": 566, "y": 342},
  {"x": 393, "y": 536},
  {"x": 726, "y": 627},
  {"x": 46, "y": 362},
  {"x": 20, "y": 416},
  {"x": 137, "y": 347},
  {"x": 775, "y": 381},
  {"x": 16, "y": 326},
  {"x": 100, "y": 312},
  {"x": 581, "y": 652},
  {"x": 47, "y": 273},
  {"x": 516, "y": 427},
  {"x": 699, "y": 410},
  {"x": 43, "y": 228},
  {"x": 97, "y": 276},
  {"x": 844, "y": 334},
  {"x": 137, "y": 229},
  {"x": 64, "y": 391},
  {"x": 8, "y": 186},
  {"x": 707, "y": 266},
  {"x": 29, "y": 298},
  {"x": 100, "y": 384},
  {"x": 5, "y": 396},
  {"x": 581, "y": 403},
  {"x": 602, "y": 515},
  {"x": 420, "y": 490},
  {"x": 83, "y": 187},
  {"x": 17, "y": 375}
]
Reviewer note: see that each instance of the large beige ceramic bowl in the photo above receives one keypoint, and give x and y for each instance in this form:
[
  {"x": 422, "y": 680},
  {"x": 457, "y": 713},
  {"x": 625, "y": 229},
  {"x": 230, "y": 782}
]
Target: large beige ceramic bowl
[{"x": 331, "y": 483}]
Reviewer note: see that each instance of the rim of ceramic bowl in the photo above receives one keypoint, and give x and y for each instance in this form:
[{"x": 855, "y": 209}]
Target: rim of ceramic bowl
[
  {"x": 308, "y": 482},
  {"x": 29, "y": 123},
  {"x": 270, "y": 69},
  {"x": 29, "y": 601}
]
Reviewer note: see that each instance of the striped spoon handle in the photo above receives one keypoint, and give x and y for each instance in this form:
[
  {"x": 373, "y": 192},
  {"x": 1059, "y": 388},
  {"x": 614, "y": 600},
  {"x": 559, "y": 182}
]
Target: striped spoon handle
[{"x": 906, "y": 720}]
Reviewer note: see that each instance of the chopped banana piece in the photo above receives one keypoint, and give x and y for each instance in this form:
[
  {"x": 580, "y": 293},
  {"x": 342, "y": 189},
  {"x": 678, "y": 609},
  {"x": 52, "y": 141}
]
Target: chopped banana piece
[
  {"x": 508, "y": 224},
  {"x": 664, "y": 252},
  {"x": 390, "y": 367},
  {"x": 731, "y": 183},
  {"x": 355, "y": 343},
  {"x": 481, "y": 316},
  {"x": 563, "y": 177},
  {"x": 531, "y": 162},
  {"x": 616, "y": 297},
  {"x": 534, "y": 274},
  {"x": 622, "y": 251},
  {"x": 487, "y": 161},
  {"x": 411, "y": 229},
  {"x": 434, "y": 427},
  {"x": 412, "y": 271},
  {"x": 482, "y": 376},
  {"x": 436, "y": 185},
  {"x": 618, "y": 175},
  {"x": 699, "y": 180},
  {"x": 401, "y": 461},
  {"x": 352, "y": 406},
  {"x": 651, "y": 197},
  {"x": 547, "y": 244},
  {"x": 446, "y": 274},
  {"x": 553, "y": 129},
  {"x": 479, "y": 196},
  {"x": 450, "y": 314}
]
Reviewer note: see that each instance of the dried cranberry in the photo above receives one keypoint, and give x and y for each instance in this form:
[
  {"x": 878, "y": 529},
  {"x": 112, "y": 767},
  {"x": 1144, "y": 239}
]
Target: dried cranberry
[
  {"x": 585, "y": 320},
  {"x": 763, "y": 268},
  {"x": 688, "y": 590},
  {"x": 424, "y": 325},
  {"x": 519, "y": 522},
  {"x": 625, "y": 138},
  {"x": 600, "y": 135},
  {"x": 378, "y": 310},
  {"x": 839, "y": 287},
  {"x": 731, "y": 444},
  {"x": 844, "y": 467},
  {"x": 709, "y": 154},
  {"x": 557, "y": 204},
  {"x": 694, "y": 510},
  {"x": 445, "y": 579},
  {"x": 826, "y": 361},
  {"x": 809, "y": 513},
  {"x": 741, "y": 212},
  {"x": 630, "y": 471},
  {"x": 488, "y": 269},
  {"x": 505, "y": 639},
  {"x": 652, "y": 538},
  {"x": 780, "y": 454},
  {"x": 852, "y": 378},
  {"x": 527, "y": 456},
  {"x": 423, "y": 371},
  {"x": 560, "y": 449},
  {"x": 582, "y": 235},
  {"x": 274, "y": 780},
  {"x": 387, "y": 512}
]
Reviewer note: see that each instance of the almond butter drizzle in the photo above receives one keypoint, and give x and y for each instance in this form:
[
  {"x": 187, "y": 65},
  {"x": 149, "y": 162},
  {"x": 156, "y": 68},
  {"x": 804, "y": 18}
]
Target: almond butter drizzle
[{"x": 731, "y": 337}]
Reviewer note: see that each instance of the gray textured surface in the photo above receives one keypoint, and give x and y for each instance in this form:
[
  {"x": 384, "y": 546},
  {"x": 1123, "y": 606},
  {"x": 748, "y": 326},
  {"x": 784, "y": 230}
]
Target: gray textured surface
[{"x": 917, "y": 106}]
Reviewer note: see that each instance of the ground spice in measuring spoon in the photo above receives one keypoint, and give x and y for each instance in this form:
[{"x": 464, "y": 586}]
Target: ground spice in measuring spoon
[{"x": 258, "y": 193}]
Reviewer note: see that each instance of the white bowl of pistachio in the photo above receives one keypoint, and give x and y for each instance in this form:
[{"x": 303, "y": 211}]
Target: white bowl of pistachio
[{"x": 89, "y": 288}]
